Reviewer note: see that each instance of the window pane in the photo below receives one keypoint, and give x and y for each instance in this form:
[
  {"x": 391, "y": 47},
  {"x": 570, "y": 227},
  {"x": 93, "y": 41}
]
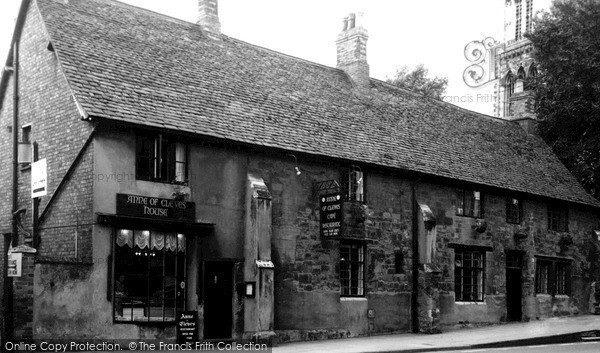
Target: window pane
[
  {"x": 170, "y": 310},
  {"x": 180, "y": 162},
  {"x": 468, "y": 204},
  {"x": 460, "y": 206},
  {"x": 476, "y": 204},
  {"x": 155, "y": 310},
  {"x": 144, "y": 158}
]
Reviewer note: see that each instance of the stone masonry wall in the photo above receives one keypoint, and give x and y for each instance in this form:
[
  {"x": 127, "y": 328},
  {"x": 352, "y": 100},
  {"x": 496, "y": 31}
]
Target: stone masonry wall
[
  {"x": 499, "y": 236},
  {"x": 307, "y": 267}
]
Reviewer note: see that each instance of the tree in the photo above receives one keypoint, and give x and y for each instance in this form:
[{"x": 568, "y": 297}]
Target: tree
[
  {"x": 566, "y": 44},
  {"x": 417, "y": 80}
]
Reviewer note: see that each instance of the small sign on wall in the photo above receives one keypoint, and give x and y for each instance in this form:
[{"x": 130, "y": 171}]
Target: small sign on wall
[
  {"x": 39, "y": 178},
  {"x": 187, "y": 327},
  {"x": 15, "y": 261}
]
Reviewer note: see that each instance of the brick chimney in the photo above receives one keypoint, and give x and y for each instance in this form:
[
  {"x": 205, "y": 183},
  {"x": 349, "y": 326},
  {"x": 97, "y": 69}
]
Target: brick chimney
[
  {"x": 209, "y": 16},
  {"x": 352, "y": 50}
]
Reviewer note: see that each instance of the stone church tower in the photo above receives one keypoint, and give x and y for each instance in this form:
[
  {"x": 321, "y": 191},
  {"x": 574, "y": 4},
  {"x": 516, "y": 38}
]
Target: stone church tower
[{"x": 514, "y": 63}]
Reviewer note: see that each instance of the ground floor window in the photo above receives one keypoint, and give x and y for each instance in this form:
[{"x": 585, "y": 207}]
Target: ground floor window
[
  {"x": 149, "y": 275},
  {"x": 468, "y": 274},
  {"x": 552, "y": 276},
  {"x": 352, "y": 269}
]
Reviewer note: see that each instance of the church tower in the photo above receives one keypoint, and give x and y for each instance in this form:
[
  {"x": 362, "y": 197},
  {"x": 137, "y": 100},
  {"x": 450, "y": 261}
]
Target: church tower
[{"x": 515, "y": 65}]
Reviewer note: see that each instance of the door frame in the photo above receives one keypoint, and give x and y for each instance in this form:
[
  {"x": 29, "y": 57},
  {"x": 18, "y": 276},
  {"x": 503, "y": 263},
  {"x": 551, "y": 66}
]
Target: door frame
[
  {"x": 216, "y": 262},
  {"x": 520, "y": 254}
]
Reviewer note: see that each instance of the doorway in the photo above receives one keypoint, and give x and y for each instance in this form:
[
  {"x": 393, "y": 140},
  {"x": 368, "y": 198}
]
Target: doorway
[
  {"x": 218, "y": 299},
  {"x": 514, "y": 285}
]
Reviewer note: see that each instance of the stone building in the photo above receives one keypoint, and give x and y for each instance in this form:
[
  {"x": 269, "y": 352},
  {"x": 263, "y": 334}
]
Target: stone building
[{"x": 274, "y": 197}]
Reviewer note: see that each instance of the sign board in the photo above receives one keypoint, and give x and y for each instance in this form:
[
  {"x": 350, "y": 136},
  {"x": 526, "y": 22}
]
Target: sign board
[
  {"x": 331, "y": 215},
  {"x": 15, "y": 261},
  {"x": 187, "y": 326},
  {"x": 39, "y": 179},
  {"x": 154, "y": 207}
]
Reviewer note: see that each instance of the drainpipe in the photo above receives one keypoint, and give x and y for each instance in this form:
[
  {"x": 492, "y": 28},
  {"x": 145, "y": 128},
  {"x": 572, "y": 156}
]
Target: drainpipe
[
  {"x": 15, "y": 136},
  {"x": 415, "y": 261}
]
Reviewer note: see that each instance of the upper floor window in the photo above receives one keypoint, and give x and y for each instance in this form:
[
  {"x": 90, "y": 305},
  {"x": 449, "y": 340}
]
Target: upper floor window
[
  {"x": 558, "y": 219},
  {"x": 513, "y": 210},
  {"x": 353, "y": 184},
  {"x": 161, "y": 159},
  {"x": 352, "y": 269},
  {"x": 552, "y": 276},
  {"x": 468, "y": 274},
  {"x": 469, "y": 203}
]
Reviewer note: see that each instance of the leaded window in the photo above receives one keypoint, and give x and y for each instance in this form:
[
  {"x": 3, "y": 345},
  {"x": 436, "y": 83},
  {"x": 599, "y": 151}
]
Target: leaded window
[
  {"x": 352, "y": 269},
  {"x": 552, "y": 276},
  {"x": 513, "y": 210},
  {"x": 468, "y": 274}
]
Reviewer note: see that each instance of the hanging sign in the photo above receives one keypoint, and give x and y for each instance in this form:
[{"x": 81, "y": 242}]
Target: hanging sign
[
  {"x": 331, "y": 215},
  {"x": 39, "y": 179}
]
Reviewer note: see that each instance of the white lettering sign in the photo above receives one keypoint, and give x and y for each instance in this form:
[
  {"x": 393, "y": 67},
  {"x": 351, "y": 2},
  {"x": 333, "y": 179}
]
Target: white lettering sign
[{"x": 39, "y": 176}]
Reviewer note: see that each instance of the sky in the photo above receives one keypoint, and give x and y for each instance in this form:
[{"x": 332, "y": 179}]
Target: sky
[{"x": 401, "y": 32}]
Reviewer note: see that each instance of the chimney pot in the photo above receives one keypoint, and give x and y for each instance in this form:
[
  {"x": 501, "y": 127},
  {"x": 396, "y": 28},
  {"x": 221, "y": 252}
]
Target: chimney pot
[
  {"x": 352, "y": 51},
  {"x": 351, "y": 21},
  {"x": 208, "y": 16}
]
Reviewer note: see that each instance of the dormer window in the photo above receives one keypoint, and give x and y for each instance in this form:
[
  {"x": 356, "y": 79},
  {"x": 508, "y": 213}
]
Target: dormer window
[{"x": 161, "y": 159}]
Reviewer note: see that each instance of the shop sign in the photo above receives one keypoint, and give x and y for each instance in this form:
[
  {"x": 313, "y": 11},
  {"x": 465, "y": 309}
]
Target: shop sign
[
  {"x": 331, "y": 215},
  {"x": 187, "y": 327},
  {"x": 154, "y": 207},
  {"x": 15, "y": 261},
  {"x": 39, "y": 179}
]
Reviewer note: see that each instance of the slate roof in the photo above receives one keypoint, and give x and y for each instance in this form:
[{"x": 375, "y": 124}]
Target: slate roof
[{"x": 133, "y": 65}]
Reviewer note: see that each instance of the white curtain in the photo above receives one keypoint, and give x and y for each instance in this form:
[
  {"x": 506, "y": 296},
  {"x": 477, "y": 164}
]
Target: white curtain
[
  {"x": 125, "y": 237},
  {"x": 142, "y": 238}
]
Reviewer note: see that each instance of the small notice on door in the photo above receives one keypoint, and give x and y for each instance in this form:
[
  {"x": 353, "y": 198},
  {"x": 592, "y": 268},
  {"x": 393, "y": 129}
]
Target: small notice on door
[{"x": 187, "y": 326}]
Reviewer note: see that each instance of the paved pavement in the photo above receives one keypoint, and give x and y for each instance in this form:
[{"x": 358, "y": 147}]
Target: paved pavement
[{"x": 553, "y": 330}]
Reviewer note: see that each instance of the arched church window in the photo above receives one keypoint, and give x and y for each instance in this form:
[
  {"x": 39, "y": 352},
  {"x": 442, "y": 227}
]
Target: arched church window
[
  {"x": 531, "y": 75},
  {"x": 509, "y": 90},
  {"x": 532, "y": 71},
  {"x": 521, "y": 73}
]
